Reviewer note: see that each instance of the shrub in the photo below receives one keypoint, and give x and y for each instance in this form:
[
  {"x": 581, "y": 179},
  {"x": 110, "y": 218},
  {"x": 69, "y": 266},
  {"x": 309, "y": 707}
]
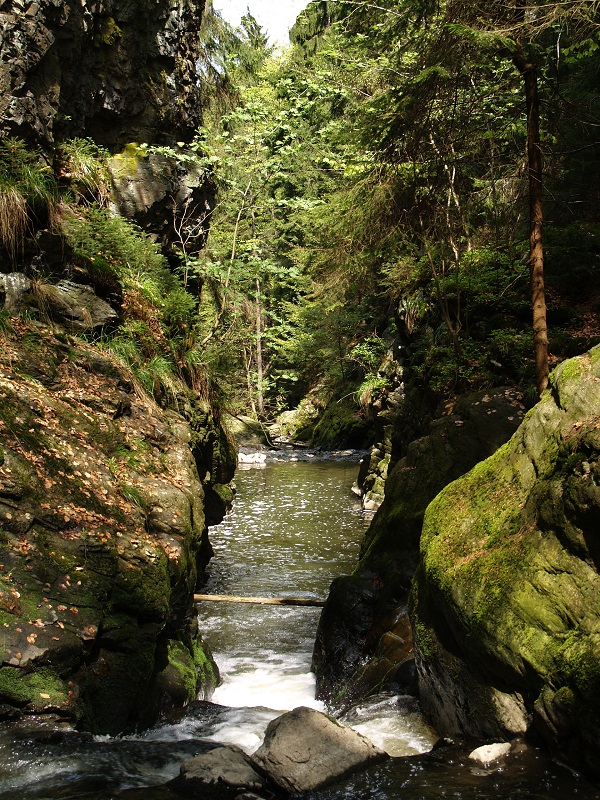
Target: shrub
[
  {"x": 84, "y": 165},
  {"x": 27, "y": 189}
]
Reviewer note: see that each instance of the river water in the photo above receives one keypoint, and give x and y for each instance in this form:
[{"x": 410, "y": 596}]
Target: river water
[{"x": 295, "y": 526}]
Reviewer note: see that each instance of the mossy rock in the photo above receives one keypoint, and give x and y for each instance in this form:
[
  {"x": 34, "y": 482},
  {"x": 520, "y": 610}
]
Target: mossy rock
[
  {"x": 363, "y": 607},
  {"x": 37, "y": 691},
  {"x": 93, "y": 584},
  {"x": 189, "y": 674},
  {"x": 507, "y": 601},
  {"x": 341, "y": 426}
]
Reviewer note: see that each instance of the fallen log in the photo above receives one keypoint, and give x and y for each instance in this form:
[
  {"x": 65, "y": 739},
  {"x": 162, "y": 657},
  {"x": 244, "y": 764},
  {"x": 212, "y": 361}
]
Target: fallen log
[{"x": 267, "y": 601}]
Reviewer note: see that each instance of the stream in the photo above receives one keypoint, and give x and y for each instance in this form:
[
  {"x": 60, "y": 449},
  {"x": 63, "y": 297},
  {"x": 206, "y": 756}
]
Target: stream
[{"x": 295, "y": 526}]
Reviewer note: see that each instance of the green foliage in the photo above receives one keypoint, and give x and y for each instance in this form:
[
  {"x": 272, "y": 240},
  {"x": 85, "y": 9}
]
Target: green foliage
[
  {"x": 370, "y": 389},
  {"x": 27, "y": 189},
  {"x": 369, "y": 352},
  {"x": 84, "y": 165},
  {"x": 112, "y": 244}
]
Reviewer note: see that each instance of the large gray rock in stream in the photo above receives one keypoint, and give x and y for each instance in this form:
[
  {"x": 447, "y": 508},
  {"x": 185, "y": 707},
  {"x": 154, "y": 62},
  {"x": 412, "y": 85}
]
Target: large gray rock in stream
[
  {"x": 224, "y": 772},
  {"x": 305, "y": 750}
]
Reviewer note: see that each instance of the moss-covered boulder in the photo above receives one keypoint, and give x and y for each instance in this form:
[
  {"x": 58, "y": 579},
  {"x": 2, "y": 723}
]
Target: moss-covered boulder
[
  {"x": 506, "y": 602},
  {"x": 102, "y": 537},
  {"x": 363, "y": 640}
]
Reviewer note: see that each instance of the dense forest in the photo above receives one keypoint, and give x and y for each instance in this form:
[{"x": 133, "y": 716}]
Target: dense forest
[
  {"x": 380, "y": 191},
  {"x": 383, "y": 184}
]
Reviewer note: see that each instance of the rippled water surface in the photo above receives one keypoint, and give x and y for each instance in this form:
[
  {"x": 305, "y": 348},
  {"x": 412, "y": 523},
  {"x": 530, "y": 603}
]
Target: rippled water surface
[{"x": 295, "y": 526}]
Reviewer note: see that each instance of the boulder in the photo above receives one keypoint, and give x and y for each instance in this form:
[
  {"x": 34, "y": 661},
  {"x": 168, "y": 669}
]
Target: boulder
[
  {"x": 490, "y": 753},
  {"x": 506, "y": 601},
  {"x": 75, "y": 304},
  {"x": 305, "y": 750},
  {"x": 16, "y": 286},
  {"x": 352, "y": 655},
  {"x": 222, "y": 773}
]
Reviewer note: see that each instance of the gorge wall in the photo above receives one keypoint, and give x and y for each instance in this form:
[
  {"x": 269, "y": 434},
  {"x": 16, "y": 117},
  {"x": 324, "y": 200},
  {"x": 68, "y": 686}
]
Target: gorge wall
[
  {"x": 507, "y": 598},
  {"x": 105, "y": 494},
  {"x": 116, "y": 72}
]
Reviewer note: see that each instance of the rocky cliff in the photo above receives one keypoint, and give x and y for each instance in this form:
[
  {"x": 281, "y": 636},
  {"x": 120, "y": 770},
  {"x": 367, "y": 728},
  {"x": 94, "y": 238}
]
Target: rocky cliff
[
  {"x": 105, "y": 495},
  {"x": 506, "y": 604},
  {"x": 124, "y": 75},
  {"x": 102, "y": 537},
  {"x": 117, "y": 72}
]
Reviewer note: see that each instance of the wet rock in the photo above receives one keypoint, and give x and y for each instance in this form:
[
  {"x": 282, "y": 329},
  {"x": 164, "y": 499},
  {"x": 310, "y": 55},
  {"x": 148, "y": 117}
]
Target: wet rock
[
  {"x": 225, "y": 772},
  {"x": 305, "y": 750},
  {"x": 489, "y": 753}
]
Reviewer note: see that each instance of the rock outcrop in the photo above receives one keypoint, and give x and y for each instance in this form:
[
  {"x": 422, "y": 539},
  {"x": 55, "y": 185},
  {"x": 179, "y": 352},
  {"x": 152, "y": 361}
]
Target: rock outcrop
[
  {"x": 223, "y": 773},
  {"x": 364, "y": 639},
  {"x": 506, "y": 603},
  {"x": 117, "y": 72},
  {"x": 102, "y": 537},
  {"x": 126, "y": 75}
]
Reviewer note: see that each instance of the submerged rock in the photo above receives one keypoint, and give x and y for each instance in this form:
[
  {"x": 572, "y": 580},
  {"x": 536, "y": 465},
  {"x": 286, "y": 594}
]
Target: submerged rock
[
  {"x": 305, "y": 750},
  {"x": 223, "y": 773},
  {"x": 507, "y": 599}
]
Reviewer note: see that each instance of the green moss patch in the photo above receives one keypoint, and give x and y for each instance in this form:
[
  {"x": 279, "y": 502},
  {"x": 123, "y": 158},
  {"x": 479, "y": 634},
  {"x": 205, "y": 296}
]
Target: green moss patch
[{"x": 40, "y": 689}]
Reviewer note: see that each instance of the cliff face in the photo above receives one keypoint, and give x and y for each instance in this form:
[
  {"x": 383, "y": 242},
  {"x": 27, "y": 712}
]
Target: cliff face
[
  {"x": 105, "y": 497},
  {"x": 507, "y": 598},
  {"x": 114, "y": 71},
  {"x": 102, "y": 537}
]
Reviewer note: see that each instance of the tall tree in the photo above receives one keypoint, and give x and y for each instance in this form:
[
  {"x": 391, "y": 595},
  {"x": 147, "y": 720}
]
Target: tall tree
[{"x": 528, "y": 69}]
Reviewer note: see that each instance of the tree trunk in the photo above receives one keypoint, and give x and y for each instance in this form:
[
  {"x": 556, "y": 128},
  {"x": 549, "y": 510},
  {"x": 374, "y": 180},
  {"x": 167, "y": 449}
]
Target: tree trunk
[
  {"x": 536, "y": 248},
  {"x": 259, "y": 354}
]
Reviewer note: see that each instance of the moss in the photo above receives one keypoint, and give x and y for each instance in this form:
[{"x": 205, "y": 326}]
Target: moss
[
  {"x": 577, "y": 656},
  {"x": 340, "y": 426},
  {"x": 125, "y": 164},
  {"x": 109, "y": 33},
  {"x": 146, "y": 591},
  {"x": 180, "y": 660},
  {"x": 40, "y": 688},
  {"x": 509, "y": 583},
  {"x": 570, "y": 371},
  {"x": 206, "y": 669}
]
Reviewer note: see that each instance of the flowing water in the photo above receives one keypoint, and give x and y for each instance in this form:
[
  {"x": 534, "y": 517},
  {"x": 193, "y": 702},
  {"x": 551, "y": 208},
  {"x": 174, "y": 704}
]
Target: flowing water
[{"x": 295, "y": 526}]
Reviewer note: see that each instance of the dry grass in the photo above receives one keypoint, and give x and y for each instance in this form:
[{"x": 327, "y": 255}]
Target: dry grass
[{"x": 13, "y": 220}]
